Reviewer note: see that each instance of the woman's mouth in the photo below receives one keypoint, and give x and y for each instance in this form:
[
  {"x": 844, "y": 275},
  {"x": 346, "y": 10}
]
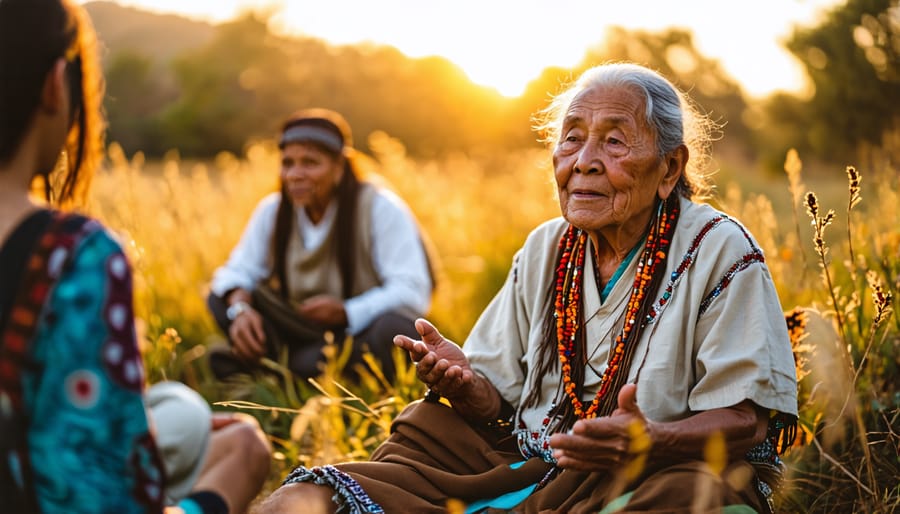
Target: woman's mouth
[{"x": 585, "y": 194}]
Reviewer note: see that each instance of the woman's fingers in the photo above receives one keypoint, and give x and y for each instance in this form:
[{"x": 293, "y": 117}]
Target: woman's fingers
[
  {"x": 591, "y": 445},
  {"x": 429, "y": 333},
  {"x": 585, "y": 457}
]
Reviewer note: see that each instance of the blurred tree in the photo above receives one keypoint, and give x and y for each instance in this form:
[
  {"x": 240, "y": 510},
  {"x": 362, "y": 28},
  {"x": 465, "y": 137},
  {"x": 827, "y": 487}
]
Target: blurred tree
[
  {"x": 137, "y": 90},
  {"x": 242, "y": 80},
  {"x": 230, "y": 90},
  {"x": 853, "y": 61},
  {"x": 672, "y": 53}
]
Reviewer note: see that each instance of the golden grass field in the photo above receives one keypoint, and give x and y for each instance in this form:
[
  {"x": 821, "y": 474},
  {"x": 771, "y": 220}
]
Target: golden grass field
[{"x": 178, "y": 220}]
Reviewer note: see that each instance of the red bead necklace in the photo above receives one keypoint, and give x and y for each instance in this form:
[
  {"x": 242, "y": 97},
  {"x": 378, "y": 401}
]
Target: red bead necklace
[{"x": 567, "y": 303}]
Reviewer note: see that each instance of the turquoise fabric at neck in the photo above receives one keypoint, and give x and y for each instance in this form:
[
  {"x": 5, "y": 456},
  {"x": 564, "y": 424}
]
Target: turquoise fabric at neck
[{"x": 621, "y": 269}]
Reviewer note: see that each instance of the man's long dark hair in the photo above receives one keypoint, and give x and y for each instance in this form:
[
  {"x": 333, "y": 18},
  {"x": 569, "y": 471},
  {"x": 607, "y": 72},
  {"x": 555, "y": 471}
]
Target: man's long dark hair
[{"x": 346, "y": 194}]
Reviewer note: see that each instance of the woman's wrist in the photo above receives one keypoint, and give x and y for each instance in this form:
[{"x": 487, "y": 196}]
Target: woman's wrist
[{"x": 481, "y": 403}]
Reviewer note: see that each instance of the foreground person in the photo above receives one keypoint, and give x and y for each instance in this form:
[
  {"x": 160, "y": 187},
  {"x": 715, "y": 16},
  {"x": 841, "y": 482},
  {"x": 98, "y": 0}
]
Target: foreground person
[
  {"x": 78, "y": 434},
  {"x": 636, "y": 358}
]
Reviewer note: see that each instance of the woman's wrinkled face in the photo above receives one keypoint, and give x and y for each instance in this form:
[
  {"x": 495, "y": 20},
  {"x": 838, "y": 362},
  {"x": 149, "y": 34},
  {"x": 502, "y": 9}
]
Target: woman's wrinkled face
[
  {"x": 607, "y": 166},
  {"x": 310, "y": 175}
]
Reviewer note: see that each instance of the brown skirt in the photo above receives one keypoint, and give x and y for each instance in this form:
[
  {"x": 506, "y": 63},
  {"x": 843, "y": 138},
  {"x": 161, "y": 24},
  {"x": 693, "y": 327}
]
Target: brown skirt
[{"x": 434, "y": 458}]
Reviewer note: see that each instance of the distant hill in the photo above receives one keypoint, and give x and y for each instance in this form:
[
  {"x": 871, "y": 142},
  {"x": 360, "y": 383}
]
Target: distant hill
[{"x": 126, "y": 28}]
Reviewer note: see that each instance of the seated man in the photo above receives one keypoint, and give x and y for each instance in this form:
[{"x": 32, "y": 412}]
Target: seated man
[{"x": 328, "y": 253}]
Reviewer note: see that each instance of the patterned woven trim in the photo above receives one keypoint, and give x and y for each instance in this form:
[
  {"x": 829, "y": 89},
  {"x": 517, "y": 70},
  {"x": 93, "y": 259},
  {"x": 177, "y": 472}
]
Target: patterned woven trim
[
  {"x": 534, "y": 443},
  {"x": 770, "y": 470},
  {"x": 686, "y": 263},
  {"x": 754, "y": 256},
  {"x": 743, "y": 263},
  {"x": 349, "y": 495}
]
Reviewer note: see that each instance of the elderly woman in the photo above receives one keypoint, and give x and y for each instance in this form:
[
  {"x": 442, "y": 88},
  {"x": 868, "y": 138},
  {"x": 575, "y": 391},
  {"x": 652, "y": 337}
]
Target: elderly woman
[
  {"x": 329, "y": 253},
  {"x": 636, "y": 358}
]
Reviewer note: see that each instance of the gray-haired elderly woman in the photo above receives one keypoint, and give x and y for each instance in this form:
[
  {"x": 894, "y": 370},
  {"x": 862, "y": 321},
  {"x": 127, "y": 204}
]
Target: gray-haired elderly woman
[{"x": 637, "y": 357}]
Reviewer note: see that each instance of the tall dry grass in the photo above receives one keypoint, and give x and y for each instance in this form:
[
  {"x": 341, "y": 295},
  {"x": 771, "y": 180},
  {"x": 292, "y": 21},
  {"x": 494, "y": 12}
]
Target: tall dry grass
[
  {"x": 178, "y": 220},
  {"x": 840, "y": 263}
]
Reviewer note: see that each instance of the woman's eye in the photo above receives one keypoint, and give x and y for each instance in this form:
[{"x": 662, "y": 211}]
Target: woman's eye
[{"x": 571, "y": 137}]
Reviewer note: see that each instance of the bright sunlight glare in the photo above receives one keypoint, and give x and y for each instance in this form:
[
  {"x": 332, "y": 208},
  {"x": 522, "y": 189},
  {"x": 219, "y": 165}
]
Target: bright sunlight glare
[{"x": 505, "y": 44}]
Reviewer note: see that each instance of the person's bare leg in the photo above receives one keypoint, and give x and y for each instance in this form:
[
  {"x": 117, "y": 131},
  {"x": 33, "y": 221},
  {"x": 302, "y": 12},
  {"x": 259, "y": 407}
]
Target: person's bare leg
[
  {"x": 237, "y": 461},
  {"x": 300, "y": 498}
]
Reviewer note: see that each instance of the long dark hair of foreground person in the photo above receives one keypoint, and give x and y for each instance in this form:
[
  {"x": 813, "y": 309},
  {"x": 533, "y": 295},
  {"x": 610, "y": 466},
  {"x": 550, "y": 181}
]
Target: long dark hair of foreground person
[{"x": 34, "y": 34}]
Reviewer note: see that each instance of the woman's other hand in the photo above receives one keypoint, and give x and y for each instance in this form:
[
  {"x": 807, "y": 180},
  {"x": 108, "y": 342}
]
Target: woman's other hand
[{"x": 605, "y": 443}]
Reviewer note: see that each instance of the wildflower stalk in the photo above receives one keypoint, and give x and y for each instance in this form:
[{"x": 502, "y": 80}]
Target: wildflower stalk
[
  {"x": 882, "y": 300},
  {"x": 853, "y": 178},
  {"x": 819, "y": 224},
  {"x": 793, "y": 166}
]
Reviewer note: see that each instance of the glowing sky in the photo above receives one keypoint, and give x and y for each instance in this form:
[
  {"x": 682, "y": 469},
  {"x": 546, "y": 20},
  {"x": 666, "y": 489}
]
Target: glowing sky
[{"x": 505, "y": 44}]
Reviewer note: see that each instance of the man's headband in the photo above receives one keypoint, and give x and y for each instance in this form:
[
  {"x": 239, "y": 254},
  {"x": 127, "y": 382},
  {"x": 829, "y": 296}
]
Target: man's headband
[{"x": 312, "y": 134}]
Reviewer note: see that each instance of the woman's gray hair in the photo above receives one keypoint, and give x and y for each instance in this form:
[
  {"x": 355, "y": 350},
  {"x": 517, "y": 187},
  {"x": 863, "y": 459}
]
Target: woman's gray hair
[{"x": 675, "y": 118}]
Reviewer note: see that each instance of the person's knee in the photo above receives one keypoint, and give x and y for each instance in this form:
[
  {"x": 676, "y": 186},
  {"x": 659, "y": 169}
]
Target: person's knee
[
  {"x": 246, "y": 438},
  {"x": 304, "y": 497},
  {"x": 306, "y": 361},
  {"x": 709, "y": 491}
]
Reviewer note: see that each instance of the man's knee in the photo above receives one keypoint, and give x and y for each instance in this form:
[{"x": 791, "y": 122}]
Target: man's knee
[{"x": 379, "y": 336}]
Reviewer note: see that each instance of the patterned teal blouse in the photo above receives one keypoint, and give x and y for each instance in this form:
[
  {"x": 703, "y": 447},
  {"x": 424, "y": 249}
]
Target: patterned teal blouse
[{"x": 89, "y": 444}]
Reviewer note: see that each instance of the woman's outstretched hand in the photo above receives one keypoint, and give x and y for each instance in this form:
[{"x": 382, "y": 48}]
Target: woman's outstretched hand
[
  {"x": 443, "y": 367},
  {"x": 440, "y": 363}
]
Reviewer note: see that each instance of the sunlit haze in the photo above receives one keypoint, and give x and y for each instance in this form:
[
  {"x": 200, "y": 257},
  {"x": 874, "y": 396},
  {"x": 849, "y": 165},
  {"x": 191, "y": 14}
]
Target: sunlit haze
[{"x": 505, "y": 44}]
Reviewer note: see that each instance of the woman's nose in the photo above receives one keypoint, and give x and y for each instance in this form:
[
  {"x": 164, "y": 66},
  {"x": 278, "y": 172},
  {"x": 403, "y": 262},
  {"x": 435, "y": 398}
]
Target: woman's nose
[{"x": 589, "y": 159}]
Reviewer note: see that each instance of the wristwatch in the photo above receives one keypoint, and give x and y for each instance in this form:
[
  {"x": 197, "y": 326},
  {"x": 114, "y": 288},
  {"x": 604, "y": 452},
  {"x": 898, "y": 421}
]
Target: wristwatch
[{"x": 236, "y": 309}]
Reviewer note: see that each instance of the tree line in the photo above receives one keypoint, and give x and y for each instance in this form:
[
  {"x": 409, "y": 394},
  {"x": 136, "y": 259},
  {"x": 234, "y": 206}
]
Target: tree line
[{"x": 232, "y": 83}]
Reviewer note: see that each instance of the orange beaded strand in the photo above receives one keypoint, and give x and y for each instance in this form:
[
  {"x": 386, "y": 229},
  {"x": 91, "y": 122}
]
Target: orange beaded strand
[{"x": 567, "y": 303}]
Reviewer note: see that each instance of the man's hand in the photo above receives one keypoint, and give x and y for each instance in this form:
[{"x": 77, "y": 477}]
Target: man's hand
[
  {"x": 325, "y": 310},
  {"x": 247, "y": 336}
]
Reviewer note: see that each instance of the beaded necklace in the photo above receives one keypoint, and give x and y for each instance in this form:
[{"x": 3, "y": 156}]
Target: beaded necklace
[{"x": 568, "y": 305}]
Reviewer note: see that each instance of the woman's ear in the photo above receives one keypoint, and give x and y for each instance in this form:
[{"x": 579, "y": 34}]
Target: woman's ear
[
  {"x": 675, "y": 163},
  {"x": 53, "y": 95}
]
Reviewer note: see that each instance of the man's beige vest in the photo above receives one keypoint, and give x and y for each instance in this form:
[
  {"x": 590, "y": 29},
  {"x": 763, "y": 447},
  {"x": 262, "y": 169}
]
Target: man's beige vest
[{"x": 314, "y": 272}]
